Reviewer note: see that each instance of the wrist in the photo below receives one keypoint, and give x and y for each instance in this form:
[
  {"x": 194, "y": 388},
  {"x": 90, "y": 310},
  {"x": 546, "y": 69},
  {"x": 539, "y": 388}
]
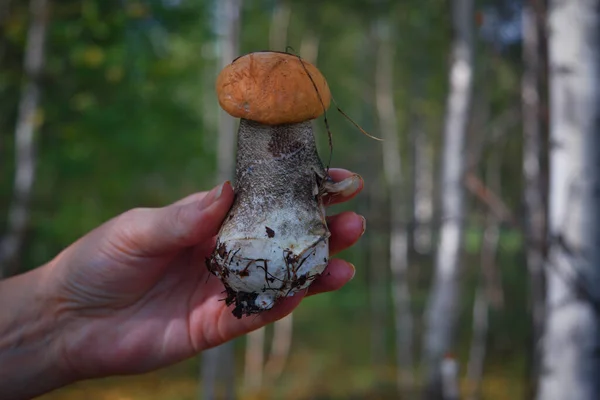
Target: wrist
[{"x": 30, "y": 359}]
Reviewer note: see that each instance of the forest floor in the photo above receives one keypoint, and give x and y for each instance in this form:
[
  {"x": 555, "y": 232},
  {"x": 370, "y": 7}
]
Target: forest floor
[{"x": 327, "y": 381}]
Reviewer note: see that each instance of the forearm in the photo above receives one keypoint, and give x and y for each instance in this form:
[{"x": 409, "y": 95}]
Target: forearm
[{"x": 29, "y": 355}]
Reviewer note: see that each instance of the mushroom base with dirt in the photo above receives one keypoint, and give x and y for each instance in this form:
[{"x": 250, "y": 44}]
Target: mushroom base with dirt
[{"x": 274, "y": 241}]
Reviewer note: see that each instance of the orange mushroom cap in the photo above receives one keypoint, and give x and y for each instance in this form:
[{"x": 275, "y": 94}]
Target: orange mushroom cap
[{"x": 272, "y": 88}]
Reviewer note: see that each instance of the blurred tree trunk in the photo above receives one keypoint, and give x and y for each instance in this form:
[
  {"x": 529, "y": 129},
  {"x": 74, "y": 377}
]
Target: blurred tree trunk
[
  {"x": 254, "y": 361},
  {"x": 449, "y": 378},
  {"x": 280, "y": 349},
  {"x": 279, "y": 25},
  {"x": 376, "y": 215},
  {"x": 420, "y": 229},
  {"x": 478, "y": 341},
  {"x": 442, "y": 312},
  {"x": 421, "y": 232},
  {"x": 12, "y": 242},
  {"x": 398, "y": 245},
  {"x": 486, "y": 293},
  {"x": 229, "y": 46},
  {"x": 218, "y": 364},
  {"x": 535, "y": 208},
  {"x": 309, "y": 46},
  {"x": 377, "y": 272},
  {"x": 570, "y": 361}
]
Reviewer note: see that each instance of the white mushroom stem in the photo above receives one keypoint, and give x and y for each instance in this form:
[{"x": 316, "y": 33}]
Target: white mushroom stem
[{"x": 274, "y": 241}]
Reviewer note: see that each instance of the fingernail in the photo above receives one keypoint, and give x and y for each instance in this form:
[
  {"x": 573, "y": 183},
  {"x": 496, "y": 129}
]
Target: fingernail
[
  {"x": 219, "y": 191},
  {"x": 216, "y": 192},
  {"x": 364, "y": 225},
  {"x": 353, "y": 270},
  {"x": 352, "y": 185}
]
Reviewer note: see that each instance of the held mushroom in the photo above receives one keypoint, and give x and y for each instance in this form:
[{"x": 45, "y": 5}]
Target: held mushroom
[{"x": 274, "y": 242}]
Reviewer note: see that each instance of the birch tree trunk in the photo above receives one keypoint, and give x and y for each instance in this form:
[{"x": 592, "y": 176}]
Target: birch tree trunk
[
  {"x": 280, "y": 349},
  {"x": 254, "y": 361},
  {"x": 229, "y": 45},
  {"x": 484, "y": 295},
  {"x": 535, "y": 209},
  {"x": 478, "y": 343},
  {"x": 423, "y": 182},
  {"x": 25, "y": 142},
  {"x": 376, "y": 214},
  {"x": 384, "y": 98},
  {"x": 218, "y": 364},
  {"x": 570, "y": 363},
  {"x": 377, "y": 274},
  {"x": 309, "y": 46},
  {"x": 442, "y": 309},
  {"x": 449, "y": 372},
  {"x": 279, "y": 25}
]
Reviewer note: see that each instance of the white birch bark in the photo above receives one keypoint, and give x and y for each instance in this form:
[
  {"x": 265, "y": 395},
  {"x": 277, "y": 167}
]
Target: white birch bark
[
  {"x": 570, "y": 364},
  {"x": 25, "y": 141},
  {"x": 218, "y": 364},
  {"x": 384, "y": 99},
  {"x": 442, "y": 309}
]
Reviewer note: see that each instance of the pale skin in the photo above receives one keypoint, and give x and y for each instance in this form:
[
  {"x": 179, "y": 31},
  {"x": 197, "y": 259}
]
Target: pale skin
[{"x": 134, "y": 295}]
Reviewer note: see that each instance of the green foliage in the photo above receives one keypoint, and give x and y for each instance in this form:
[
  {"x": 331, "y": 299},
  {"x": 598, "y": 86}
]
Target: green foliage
[{"x": 123, "y": 120}]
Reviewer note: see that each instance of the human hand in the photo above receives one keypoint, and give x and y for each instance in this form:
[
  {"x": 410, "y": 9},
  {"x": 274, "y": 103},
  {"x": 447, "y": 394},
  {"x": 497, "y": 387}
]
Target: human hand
[{"x": 134, "y": 294}]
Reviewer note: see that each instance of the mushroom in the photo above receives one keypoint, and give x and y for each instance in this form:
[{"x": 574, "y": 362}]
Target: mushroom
[{"x": 274, "y": 241}]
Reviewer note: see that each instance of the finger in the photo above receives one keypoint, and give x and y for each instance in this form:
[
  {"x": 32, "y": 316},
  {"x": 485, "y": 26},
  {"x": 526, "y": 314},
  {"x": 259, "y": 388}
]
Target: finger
[
  {"x": 353, "y": 185},
  {"x": 336, "y": 275},
  {"x": 346, "y": 228},
  {"x": 190, "y": 199},
  {"x": 339, "y": 174},
  {"x": 151, "y": 232}
]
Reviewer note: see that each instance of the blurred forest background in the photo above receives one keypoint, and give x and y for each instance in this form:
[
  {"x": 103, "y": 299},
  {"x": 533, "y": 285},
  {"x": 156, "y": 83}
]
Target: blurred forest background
[{"x": 110, "y": 105}]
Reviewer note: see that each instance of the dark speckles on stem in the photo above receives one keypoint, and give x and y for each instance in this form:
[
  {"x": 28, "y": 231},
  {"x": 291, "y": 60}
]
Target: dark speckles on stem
[
  {"x": 270, "y": 232},
  {"x": 281, "y": 148},
  {"x": 276, "y": 164}
]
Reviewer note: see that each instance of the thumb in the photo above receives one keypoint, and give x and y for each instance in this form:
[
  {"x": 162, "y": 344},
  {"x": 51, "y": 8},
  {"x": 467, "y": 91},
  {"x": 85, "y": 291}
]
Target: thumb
[{"x": 154, "y": 232}]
